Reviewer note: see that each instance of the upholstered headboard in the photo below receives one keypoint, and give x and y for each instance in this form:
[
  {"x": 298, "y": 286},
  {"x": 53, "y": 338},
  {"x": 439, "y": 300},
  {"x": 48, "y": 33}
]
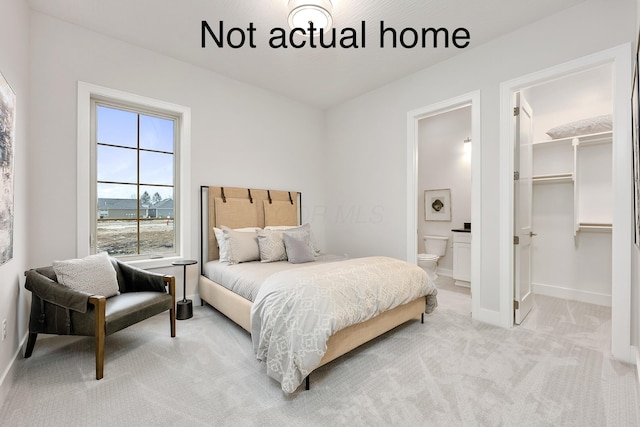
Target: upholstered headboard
[{"x": 237, "y": 207}]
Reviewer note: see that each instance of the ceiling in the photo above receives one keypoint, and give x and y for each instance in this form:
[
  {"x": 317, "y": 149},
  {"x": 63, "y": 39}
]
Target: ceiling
[{"x": 319, "y": 77}]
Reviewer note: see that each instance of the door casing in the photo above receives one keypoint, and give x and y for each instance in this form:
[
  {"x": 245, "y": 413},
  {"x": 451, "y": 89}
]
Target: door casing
[
  {"x": 622, "y": 233},
  {"x": 473, "y": 99}
]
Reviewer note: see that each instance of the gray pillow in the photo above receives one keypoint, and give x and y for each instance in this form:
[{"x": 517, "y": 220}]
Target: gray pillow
[{"x": 298, "y": 250}]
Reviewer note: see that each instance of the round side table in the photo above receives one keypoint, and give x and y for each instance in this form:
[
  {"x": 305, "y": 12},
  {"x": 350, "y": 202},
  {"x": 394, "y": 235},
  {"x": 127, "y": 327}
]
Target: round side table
[{"x": 185, "y": 307}]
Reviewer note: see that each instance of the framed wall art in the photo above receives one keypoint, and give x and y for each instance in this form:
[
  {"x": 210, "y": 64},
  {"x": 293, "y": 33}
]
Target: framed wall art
[
  {"x": 437, "y": 205},
  {"x": 7, "y": 141}
]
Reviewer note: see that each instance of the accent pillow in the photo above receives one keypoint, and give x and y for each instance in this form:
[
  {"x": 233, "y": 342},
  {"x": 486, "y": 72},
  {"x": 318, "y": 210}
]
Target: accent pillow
[
  {"x": 271, "y": 246},
  {"x": 298, "y": 250},
  {"x": 582, "y": 127},
  {"x": 223, "y": 253},
  {"x": 93, "y": 274},
  {"x": 242, "y": 246},
  {"x": 298, "y": 229}
]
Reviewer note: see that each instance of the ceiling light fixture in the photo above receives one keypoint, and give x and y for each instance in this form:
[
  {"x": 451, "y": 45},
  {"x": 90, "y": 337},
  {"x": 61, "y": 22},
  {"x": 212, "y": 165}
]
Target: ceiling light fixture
[{"x": 304, "y": 12}]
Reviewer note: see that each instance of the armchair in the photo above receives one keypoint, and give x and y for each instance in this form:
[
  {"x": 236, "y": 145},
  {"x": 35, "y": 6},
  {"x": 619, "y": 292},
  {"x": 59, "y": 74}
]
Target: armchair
[{"x": 57, "y": 309}]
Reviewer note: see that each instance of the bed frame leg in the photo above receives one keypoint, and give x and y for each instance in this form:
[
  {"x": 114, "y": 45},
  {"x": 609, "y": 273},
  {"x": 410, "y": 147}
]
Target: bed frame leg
[
  {"x": 422, "y": 318},
  {"x": 306, "y": 383}
]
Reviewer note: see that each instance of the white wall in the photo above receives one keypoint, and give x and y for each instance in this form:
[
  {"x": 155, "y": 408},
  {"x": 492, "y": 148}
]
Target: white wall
[
  {"x": 575, "y": 97},
  {"x": 241, "y": 135},
  {"x": 14, "y": 66},
  {"x": 375, "y": 124},
  {"x": 444, "y": 163}
]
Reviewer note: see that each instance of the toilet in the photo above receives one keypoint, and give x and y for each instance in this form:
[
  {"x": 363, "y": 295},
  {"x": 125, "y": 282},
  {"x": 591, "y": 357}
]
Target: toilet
[{"x": 435, "y": 247}]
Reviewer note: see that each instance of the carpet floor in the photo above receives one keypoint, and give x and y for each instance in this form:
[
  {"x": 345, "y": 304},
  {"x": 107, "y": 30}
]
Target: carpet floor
[{"x": 449, "y": 371}]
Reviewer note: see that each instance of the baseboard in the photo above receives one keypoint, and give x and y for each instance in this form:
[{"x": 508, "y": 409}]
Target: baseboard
[
  {"x": 194, "y": 297},
  {"x": 572, "y": 294},
  {"x": 487, "y": 316},
  {"x": 637, "y": 351},
  {"x": 7, "y": 382},
  {"x": 444, "y": 272}
]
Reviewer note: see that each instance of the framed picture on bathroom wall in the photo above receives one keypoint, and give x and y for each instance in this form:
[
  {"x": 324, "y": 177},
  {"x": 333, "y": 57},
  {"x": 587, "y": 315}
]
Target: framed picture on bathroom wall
[{"x": 437, "y": 205}]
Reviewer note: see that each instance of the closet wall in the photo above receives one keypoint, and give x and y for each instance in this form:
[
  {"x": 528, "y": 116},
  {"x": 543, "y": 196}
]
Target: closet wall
[{"x": 571, "y": 254}]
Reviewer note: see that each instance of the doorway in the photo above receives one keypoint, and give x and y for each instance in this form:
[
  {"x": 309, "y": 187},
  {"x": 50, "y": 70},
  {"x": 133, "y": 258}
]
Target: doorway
[
  {"x": 414, "y": 238},
  {"x": 563, "y": 196},
  {"x": 621, "y": 233}
]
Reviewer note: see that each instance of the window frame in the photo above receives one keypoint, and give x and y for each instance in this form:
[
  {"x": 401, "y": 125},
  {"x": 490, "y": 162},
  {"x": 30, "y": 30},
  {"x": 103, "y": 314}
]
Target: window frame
[
  {"x": 86, "y": 183},
  {"x": 138, "y": 111}
]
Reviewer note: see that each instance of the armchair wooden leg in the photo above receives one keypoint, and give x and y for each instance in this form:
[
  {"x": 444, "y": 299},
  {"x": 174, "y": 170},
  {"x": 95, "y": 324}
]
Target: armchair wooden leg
[
  {"x": 100, "y": 306},
  {"x": 172, "y": 319},
  {"x": 31, "y": 342},
  {"x": 171, "y": 281}
]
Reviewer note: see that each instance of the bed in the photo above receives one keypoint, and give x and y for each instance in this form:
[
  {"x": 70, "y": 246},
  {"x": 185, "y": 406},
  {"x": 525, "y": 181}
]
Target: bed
[{"x": 285, "y": 302}]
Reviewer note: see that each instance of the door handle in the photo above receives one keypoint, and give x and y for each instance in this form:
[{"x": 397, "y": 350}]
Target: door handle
[{"x": 531, "y": 234}]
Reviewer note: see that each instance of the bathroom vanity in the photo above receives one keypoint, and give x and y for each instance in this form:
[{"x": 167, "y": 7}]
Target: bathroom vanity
[{"x": 462, "y": 257}]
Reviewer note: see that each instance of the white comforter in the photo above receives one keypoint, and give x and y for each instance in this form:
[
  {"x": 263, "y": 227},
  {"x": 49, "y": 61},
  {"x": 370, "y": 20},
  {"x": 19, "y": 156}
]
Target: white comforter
[{"x": 295, "y": 312}]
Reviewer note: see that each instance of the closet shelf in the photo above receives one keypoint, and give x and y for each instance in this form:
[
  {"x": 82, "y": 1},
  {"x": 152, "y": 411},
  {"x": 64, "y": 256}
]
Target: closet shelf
[
  {"x": 591, "y": 226},
  {"x": 592, "y": 138},
  {"x": 552, "y": 178}
]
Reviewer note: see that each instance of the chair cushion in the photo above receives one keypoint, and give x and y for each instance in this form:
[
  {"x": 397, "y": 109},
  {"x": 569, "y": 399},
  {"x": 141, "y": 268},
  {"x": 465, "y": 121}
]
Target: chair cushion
[{"x": 129, "y": 308}]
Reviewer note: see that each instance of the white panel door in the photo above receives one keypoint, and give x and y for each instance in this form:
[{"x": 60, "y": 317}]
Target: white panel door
[{"x": 523, "y": 196}]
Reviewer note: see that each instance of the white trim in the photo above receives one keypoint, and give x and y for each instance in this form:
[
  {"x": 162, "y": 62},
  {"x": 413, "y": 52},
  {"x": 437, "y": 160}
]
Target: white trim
[
  {"x": 413, "y": 117},
  {"x": 85, "y": 92},
  {"x": 489, "y": 316},
  {"x": 444, "y": 272},
  {"x": 636, "y": 350},
  {"x": 10, "y": 372},
  {"x": 572, "y": 294},
  {"x": 622, "y": 236}
]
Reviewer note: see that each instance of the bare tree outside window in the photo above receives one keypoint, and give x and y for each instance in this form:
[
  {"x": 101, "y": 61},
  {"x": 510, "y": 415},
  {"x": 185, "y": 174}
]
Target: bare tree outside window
[{"x": 145, "y": 200}]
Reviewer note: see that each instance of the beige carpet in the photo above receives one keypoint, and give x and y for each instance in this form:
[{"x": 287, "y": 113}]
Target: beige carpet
[{"x": 450, "y": 371}]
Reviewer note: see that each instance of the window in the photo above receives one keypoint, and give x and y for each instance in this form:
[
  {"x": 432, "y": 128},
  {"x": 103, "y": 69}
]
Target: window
[
  {"x": 133, "y": 152},
  {"x": 135, "y": 181}
]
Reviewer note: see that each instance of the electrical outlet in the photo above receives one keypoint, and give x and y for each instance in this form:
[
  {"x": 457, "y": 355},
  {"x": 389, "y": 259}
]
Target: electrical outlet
[{"x": 4, "y": 329}]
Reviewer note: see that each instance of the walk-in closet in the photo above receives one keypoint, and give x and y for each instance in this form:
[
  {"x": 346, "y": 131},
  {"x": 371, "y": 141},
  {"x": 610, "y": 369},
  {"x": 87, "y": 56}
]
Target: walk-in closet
[{"x": 572, "y": 186}]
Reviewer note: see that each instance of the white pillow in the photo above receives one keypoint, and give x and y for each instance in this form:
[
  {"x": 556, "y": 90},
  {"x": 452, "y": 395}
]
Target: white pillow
[
  {"x": 242, "y": 246},
  {"x": 296, "y": 228},
  {"x": 582, "y": 127},
  {"x": 280, "y": 227},
  {"x": 93, "y": 274},
  {"x": 271, "y": 246},
  {"x": 223, "y": 253}
]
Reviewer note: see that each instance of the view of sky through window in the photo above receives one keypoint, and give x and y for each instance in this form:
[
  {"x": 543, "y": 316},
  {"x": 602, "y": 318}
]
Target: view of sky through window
[{"x": 127, "y": 140}]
